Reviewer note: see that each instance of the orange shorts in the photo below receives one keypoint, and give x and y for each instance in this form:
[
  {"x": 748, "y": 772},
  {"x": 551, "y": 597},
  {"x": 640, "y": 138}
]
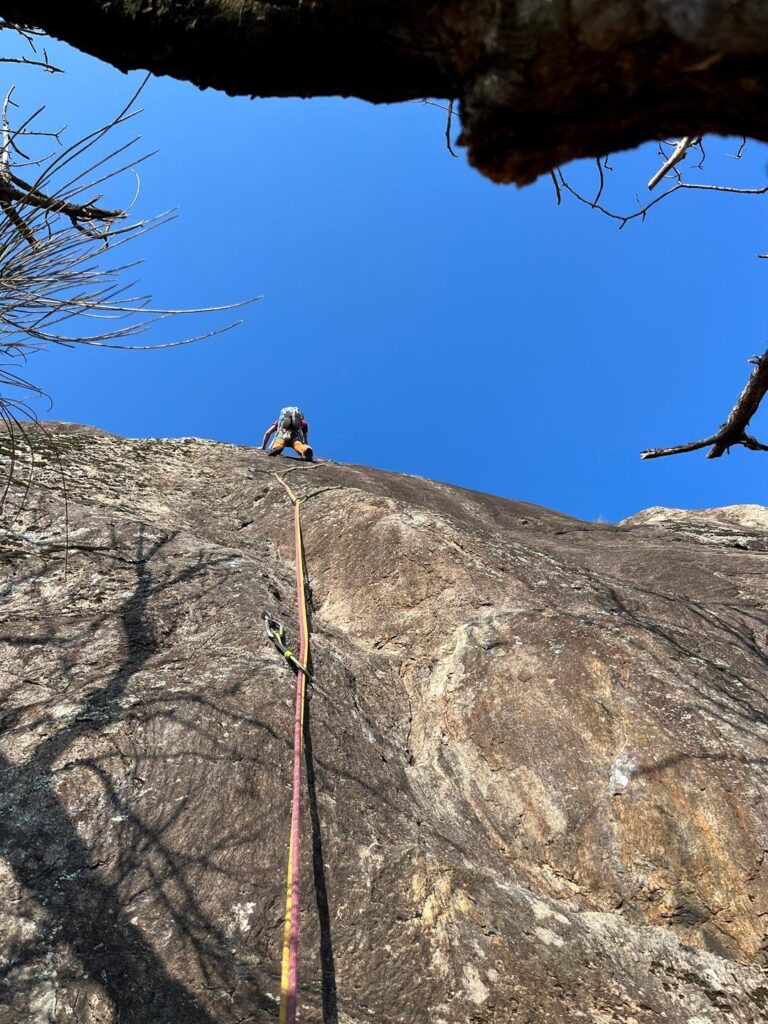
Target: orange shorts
[{"x": 285, "y": 442}]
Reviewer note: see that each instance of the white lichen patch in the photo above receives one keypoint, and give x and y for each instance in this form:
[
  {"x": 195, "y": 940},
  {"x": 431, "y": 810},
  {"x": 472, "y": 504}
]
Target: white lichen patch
[
  {"x": 622, "y": 770},
  {"x": 477, "y": 992},
  {"x": 440, "y": 907},
  {"x": 548, "y": 937},
  {"x": 370, "y": 858},
  {"x": 242, "y": 913},
  {"x": 42, "y": 1001},
  {"x": 542, "y": 912}
]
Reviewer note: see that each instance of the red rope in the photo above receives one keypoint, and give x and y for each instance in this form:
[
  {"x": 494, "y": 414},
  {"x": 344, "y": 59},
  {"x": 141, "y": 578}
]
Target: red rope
[{"x": 289, "y": 976}]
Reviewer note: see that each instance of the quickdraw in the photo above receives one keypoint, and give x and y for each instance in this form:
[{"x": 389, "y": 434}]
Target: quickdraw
[{"x": 275, "y": 630}]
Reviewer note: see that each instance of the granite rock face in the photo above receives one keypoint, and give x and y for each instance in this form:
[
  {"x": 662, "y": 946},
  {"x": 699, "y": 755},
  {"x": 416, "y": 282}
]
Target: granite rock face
[{"x": 537, "y": 750}]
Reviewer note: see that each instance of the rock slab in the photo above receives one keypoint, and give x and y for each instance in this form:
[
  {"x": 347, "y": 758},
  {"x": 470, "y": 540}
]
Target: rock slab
[{"x": 536, "y": 749}]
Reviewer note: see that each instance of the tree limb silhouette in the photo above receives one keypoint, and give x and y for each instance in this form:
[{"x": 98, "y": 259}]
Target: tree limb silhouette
[
  {"x": 733, "y": 431},
  {"x": 539, "y": 83}
]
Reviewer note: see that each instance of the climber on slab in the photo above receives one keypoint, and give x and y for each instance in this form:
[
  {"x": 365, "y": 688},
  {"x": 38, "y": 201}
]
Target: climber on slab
[{"x": 292, "y": 432}]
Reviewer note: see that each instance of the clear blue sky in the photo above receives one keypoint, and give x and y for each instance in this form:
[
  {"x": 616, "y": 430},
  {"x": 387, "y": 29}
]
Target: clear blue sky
[{"x": 426, "y": 320}]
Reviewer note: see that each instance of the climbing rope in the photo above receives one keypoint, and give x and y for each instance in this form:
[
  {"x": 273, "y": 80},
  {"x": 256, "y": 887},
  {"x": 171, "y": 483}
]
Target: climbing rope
[
  {"x": 276, "y": 633},
  {"x": 289, "y": 973}
]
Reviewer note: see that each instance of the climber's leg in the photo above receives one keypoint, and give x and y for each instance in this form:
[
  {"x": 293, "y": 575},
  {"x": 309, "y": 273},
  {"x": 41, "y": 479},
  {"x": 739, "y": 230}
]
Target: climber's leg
[
  {"x": 277, "y": 446},
  {"x": 303, "y": 450}
]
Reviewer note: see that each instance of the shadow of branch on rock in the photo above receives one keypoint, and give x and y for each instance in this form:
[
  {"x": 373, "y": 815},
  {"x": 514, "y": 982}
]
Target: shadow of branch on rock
[
  {"x": 136, "y": 963},
  {"x": 327, "y": 962}
]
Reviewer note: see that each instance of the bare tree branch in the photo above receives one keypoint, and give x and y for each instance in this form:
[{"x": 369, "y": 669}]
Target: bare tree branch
[
  {"x": 16, "y": 191},
  {"x": 643, "y": 210},
  {"x": 558, "y": 193},
  {"x": 448, "y": 122},
  {"x": 733, "y": 431},
  {"x": 32, "y": 63},
  {"x": 678, "y": 154},
  {"x": 55, "y": 278},
  {"x": 740, "y": 152},
  {"x": 601, "y": 179},
  {"x": 450, "y": 113},
  {"x": 28, "y": 35}
]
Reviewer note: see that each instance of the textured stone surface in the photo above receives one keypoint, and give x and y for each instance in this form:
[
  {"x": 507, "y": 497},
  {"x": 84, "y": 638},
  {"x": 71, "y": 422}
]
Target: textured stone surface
[{"x": 537, "y": 785}]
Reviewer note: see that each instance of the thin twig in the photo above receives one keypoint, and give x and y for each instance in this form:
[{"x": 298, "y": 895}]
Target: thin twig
[
  {"x": 643, "y": 210},
  {"x": 741, "y": 149},
  {"x": 700, "y": 147},
  {"x": 52, "y": 265},
  {"x": 448, "y": 121},
  {"x": 28, "y": 36},
  {"x": 596, "y": 200},
  {"x": 44, "y": 64},
  {"x": 558, "y": 194}
]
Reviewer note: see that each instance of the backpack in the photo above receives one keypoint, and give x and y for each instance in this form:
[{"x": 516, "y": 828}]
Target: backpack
[{"x": 290, "y": 419}]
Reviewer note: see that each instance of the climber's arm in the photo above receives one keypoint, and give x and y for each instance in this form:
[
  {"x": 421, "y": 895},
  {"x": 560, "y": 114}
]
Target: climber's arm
[{"x": 270, "y": 431}]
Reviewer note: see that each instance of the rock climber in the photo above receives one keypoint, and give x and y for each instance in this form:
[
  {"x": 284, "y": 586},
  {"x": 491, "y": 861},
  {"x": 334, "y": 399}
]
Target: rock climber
[{"x": 292, "y": 432}]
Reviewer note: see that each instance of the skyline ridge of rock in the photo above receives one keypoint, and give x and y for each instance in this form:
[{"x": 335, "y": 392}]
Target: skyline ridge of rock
[{"x": 537, "y": 749}]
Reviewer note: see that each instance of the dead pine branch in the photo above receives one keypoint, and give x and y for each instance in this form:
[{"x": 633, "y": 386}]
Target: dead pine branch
[{"x": 734, "y": 430}]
